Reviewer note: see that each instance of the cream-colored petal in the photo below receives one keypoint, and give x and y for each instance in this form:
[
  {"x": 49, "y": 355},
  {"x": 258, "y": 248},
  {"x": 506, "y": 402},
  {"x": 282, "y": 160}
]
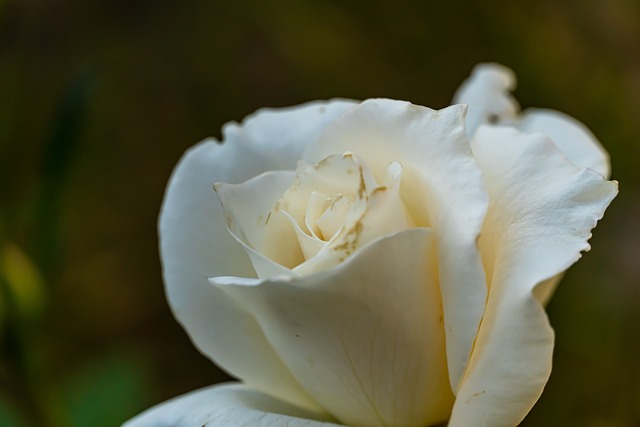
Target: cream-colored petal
[
  {"x": 488, "y": 93},
  {"x": 195, "y": 242},
  {"x": 330, "y": 221},
  {"x": 544, "y": 290},
  {"x": 573, "y": 138},
  {"x": 385, "y": 213},
  {"x": 365, "y": 339},
  {"x": 279, "y": 136},
  {"x": 334, "y": 174},
  {"x": 310, "y": 245},
  {"x": 441, "y": 187},
  {"x": 315, "y": 205},
  {"x": 251, "y": 218},
  {"x": 541, "y": 212},
  {"x": 376, "y": 213},
  {"x": 226, "y": 405}
]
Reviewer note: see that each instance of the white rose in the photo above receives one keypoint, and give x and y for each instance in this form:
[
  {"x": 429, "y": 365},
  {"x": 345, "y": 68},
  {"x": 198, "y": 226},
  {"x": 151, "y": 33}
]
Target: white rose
[{"x": 369, "y": 265}]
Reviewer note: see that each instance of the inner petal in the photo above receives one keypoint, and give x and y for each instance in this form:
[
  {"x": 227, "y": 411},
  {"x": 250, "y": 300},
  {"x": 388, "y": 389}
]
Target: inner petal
[
  {"x": 332, "y": 175},
  {"x": 315, "y": 208},
  {"x": 333, "y": 216},
  {"x": 328, "y": 212},
  {"x": 379, "y": 212},
  {"x": 309, "y": 244},
  {"x": 323, "y": 194}
]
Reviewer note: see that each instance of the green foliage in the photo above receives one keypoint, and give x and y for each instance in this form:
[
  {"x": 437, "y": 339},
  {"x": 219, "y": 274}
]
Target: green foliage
[
  {"x": 106, "y": 392},
  {"x": 9, "y": 417},
  {"x": 24, "y": 285}
]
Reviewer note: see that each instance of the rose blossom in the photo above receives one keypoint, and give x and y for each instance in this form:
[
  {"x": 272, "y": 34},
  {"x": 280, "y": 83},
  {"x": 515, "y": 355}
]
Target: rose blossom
[{"x": 369, "y": 264}]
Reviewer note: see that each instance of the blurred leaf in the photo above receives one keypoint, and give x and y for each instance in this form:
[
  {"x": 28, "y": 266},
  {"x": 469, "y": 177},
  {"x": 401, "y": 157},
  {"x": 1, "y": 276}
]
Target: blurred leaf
[
  {"x": 107, "y": 392},
  {"x": 67, "y": 126},
  {"x": 9, "y": 417},
  {"x": 25, "y": 284},
  {"x": 57, "y": 159}
]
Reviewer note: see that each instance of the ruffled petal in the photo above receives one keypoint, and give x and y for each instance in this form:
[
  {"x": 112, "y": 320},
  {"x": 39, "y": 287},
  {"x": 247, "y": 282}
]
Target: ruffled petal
[
  {"x": 364, "y": 339},
  {"x": 256, "y": 226},
  {"x": 226, "y": 405},
  {"x": 541, "y": 212},
  {"x": 279, "y": 136},
  {"x": 441, "y": 187},
  {"x": 573, "y": 138},
  {"x": 195, "y": 243},
  {"x": 488, "y": 93}
]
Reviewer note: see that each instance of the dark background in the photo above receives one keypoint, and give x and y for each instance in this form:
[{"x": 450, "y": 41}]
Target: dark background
[{"x": 98, "y": 100}]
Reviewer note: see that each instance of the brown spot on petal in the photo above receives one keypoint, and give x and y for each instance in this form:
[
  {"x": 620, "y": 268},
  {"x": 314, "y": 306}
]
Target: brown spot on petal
[
  {"x": 349, "y": 244},
  {"x": 378, "y": 190},
  {"x": 361, "y": 187},
  {"x": 474, "y": 395}
]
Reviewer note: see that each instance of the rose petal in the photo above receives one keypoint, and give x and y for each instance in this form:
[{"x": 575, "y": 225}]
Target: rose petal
[
  {"x": 376, "y": 213},
  {"x": 279, "y": 136},
  {"x": 310, "y": 245},
  {"x": 541, "y": 212},
  {"x": 195, "y": 243},
  {"x": 223, "y": 406},
  {"x": 365, "y": 339},
  {"x": 544, "y": 290},
  {"x": 573, "y": 138},
  {"x": 335, "y": 174},
  {"x": 487, "y": 92},
  {"x": 330, "y": 221},
  {"x": 248, "y": 212},
  {"x": 441, "y": 187}
]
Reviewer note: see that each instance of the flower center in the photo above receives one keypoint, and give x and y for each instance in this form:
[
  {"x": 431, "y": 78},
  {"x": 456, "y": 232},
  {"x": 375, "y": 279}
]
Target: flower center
[
  {"x": 325, "y": 214},
  {"x": 336, "y": 206}
]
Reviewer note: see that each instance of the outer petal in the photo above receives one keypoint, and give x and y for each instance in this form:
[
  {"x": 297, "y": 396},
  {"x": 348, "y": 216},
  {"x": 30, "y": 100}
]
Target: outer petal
[
  {"x": 366, "y": 338},
  {"x": 542, "y": 209},
  {"x": 195, "y": 243},
  {"x": 487, "y": 92},
  {"x": 224, "y": 406},
  {"x": 441, "y": 187},
  {"x": 573, "y": 138},
  {"x": 279, "y": 136}
]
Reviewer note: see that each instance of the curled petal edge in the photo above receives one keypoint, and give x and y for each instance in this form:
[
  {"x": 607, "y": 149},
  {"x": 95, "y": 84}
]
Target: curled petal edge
[
  {"x": 538, "y": 224},
  {"x": 225, "y": 405}
]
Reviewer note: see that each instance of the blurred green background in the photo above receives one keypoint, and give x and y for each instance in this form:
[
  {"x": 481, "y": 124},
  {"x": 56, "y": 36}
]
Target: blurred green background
[{"x": 98, "y": 100}]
